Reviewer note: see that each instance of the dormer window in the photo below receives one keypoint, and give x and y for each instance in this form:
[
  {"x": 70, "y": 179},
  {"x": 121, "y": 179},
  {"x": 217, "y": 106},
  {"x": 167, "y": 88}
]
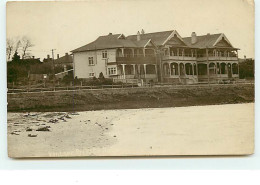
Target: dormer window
[{"x": 104, "y": 54}]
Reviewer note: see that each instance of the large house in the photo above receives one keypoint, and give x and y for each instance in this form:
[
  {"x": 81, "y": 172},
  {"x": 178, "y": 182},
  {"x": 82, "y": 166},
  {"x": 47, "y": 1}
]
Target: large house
[{"x": 160, "y": 56}]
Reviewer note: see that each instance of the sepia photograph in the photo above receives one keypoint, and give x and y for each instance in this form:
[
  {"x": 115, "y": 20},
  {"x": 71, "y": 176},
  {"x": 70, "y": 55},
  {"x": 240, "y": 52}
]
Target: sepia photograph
[{"x": 127, "y": 78}]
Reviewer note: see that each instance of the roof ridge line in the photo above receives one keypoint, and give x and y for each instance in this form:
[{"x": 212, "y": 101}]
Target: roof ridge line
[
  {"x": 205, "y": 35},
  {"x": 152, "y": 33}
]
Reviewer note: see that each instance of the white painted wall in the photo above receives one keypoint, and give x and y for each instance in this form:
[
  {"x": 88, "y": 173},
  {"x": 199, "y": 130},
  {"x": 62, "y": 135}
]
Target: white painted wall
[{"x": 82, "y": 67}]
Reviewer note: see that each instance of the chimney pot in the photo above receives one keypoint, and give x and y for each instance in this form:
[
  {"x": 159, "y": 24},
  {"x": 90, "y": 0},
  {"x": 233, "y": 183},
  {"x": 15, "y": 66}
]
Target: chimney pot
[
  {"x": 48, "y": 56},
  {"x": 193, "y": 38},
  {"x": 58, "y": 56},
  {"x": 138, "y": 36}
]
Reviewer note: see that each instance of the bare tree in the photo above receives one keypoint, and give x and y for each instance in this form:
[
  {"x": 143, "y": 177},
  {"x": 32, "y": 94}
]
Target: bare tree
[
  {"x": 25, "y": 44},
  {"x": 12, "y": 46},
  {"x": 17, "y": 45},
  {"x": 9, "y": 48}
]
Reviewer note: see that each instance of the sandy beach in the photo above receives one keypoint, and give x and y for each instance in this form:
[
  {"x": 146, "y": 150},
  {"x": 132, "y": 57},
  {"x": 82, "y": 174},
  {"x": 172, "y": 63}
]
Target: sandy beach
[{"x": 197, "y": 130}]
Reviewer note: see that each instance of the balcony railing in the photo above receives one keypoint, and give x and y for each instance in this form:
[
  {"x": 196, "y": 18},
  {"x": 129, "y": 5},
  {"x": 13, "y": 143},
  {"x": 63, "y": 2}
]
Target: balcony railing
[
  {"x": 185, "y": 57},
  {"x": 130, "y": 55},
  {"x": 147, "y": 59},
  {"x": 214, "y": 76},
  {"x": 203, "y": 58}
]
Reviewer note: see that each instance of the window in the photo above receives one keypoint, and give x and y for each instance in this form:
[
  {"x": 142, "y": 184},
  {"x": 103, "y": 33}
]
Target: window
[
  {"x": 104, "y": 54},
  {"x": 90, "y": 61},
  {"x": 91, "y": 75},
  {"x": 112, "y": 71}
]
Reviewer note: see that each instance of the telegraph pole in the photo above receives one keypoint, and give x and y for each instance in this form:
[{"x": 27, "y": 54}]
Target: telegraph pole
[{"x": 53, "y": 68}]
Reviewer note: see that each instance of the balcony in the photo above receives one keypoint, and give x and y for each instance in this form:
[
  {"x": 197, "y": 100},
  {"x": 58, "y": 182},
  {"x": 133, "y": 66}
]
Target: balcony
[
  {"x": 150, "y": 59},
  {"x": 186, "y": 57},
  {"x": 211, "y": 57}
]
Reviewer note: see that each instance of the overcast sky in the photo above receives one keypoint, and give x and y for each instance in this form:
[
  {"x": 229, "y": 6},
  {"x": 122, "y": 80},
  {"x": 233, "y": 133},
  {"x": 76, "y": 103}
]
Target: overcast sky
[{"x": 65, "y": 26}]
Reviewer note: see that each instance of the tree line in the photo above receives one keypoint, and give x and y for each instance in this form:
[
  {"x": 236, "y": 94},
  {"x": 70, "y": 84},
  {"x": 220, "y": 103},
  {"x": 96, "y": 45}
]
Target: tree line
[{"x": 19, "y": 63}]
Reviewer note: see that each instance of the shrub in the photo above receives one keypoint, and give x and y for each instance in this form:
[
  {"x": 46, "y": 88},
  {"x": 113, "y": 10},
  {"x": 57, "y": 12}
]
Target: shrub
[
  {"x": 101, "y": 76},
  {"x": 67, "y": 79}
]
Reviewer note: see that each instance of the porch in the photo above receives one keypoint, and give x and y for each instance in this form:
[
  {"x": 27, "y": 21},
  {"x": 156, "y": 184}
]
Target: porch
[
  {"x": 180, "y": 72},
  {"x": 146, "y": 72},
  {"x": 218, "y": 71}
]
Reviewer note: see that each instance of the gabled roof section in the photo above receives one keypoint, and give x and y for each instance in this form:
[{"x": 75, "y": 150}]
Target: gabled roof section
[
  {"x": 150, "y": 43},
  {"x": 223, "y": 40},
  {"x": 223, "y": 43},
  {"x": 175, "y": 41},
  {"x": 144, "y": 43},
  {"x": 173, "y": 34},
  {"x": 121, "y": 36},
  {"x": 158, "y": 38},
  {"x": 141, "y": 43},
  {"x": 106, "y": 42},
  {"x": 203, "y": 41}
]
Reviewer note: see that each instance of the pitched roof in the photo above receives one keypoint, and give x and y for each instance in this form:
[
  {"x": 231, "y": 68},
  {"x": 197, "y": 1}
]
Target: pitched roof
[
  {"x": 105, "y": 42},
  {"x": 157, "y": 38},
  {"x": 203, "y": 41},
  {"x": 64, "y": 60}
]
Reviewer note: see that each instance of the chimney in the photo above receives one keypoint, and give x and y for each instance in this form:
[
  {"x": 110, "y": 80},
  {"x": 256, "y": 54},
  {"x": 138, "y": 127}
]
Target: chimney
[
  {"x": 58, "y": 56},
  {"x": 110, "y": 34},
  {"x": 33, "y": 57},
  {"x": 48, "y": 56},
  {"x": 66, "y": 54},
  {"x": 193, "y": 38},
  {"x": 142, "y": 32},
  {"x": 138, "y": 36}
]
